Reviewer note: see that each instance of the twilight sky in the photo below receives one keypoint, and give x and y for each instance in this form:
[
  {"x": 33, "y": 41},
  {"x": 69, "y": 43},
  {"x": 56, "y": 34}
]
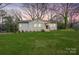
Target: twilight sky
[
  {"x": 17, "y": 6},
  {"x": 14, "y": 6}
]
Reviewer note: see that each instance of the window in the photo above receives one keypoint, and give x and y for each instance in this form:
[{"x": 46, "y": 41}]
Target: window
[
  {"x": 20, "y": 25},
  {"x": 35, "y": 25},
  {"x": 39, "y": 25}
]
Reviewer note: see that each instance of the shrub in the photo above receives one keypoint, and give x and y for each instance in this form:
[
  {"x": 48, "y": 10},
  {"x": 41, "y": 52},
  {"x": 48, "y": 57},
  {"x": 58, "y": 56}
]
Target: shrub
[
  {"x": 76, "y": 26},
  {"x": 42, "y": 30},
  {"x": 60, "y": 25}
]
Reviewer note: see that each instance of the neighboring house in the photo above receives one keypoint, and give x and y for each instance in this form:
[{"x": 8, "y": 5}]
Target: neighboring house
[
  {"x": 36, "y": 25},
  {"x": 75, "y": 26},
  {"x": 52, "y": 26}
]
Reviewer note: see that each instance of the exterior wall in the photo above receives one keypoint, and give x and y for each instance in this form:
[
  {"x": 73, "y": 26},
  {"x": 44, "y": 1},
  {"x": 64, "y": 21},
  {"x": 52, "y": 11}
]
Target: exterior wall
[
  {"x": 23, "y": 27},
  {"x": 36, "y": 25},
  {"x": 52, "y": 26}
]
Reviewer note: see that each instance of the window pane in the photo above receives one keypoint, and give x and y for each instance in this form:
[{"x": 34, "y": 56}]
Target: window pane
[
  {"x": 35, "y": 25},
  {"x": 20, "y": 25},
  {"x": 39, "y": 25}
]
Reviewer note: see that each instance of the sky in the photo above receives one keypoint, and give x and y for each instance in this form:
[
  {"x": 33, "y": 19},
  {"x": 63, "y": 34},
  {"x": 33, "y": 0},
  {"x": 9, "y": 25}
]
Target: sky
[
  {"x": 17, "y": 6},
  {"x": 13, "y": 6}
]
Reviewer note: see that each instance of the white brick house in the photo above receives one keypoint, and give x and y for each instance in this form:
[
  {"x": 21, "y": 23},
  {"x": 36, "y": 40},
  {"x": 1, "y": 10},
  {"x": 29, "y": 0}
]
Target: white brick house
[{"x": 36, "y": 25}]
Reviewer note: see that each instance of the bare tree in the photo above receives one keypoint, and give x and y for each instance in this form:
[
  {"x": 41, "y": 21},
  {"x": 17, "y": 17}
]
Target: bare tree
[
  {"x": 64, "y": 9},
  {"x": 2, "y": 5},
  {"x": 17, "y": 15},
  {"x": 36, "y": 11}
]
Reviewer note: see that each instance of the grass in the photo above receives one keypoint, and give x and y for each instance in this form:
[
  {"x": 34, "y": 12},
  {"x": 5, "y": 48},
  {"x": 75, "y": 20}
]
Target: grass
[{"x": 45, "y": 43}]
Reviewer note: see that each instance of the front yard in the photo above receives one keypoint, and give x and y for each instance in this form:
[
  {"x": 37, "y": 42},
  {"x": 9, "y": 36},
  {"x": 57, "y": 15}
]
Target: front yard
[{"x": 33, "y": 43}]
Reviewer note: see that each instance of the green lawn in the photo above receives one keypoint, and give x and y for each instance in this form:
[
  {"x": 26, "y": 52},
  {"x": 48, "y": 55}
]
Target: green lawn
[{"x": 55, "y": 42}]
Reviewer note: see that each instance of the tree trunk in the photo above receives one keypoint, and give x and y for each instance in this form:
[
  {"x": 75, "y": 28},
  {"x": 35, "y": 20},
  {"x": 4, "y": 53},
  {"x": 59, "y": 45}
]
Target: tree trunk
[{"x": 65, "y": 22}]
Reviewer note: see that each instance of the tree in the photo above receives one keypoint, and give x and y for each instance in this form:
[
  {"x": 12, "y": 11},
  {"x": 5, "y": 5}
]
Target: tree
[
  {"x": 2, "y": 5},
  {"x": 10, "y": 25},
  {"x": 64, "y": 9},
  {"x": 35, "y": 11},
  {"x": 2, "y": 13}
]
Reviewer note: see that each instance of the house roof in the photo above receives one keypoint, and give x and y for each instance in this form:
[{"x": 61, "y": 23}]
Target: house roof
[
  {"x": 23, "y": 21},
  {"x": 26, "y": 21}
]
